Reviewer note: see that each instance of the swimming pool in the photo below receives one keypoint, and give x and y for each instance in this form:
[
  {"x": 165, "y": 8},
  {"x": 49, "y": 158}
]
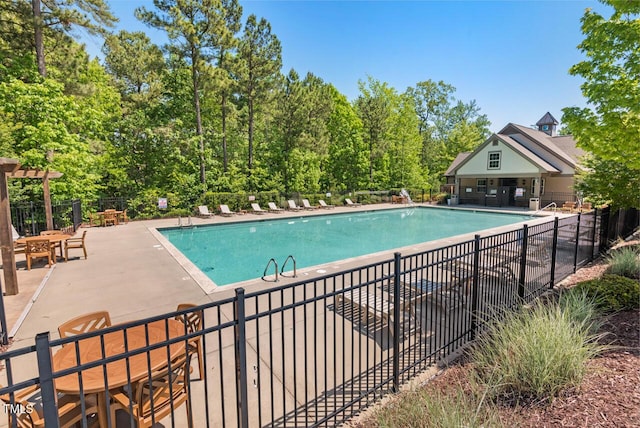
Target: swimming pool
[{"x": 234, "y": 252}]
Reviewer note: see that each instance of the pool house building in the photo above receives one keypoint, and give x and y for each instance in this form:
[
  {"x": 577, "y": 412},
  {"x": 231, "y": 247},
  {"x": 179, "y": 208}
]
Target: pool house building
[{"x": 519, "y": 166}]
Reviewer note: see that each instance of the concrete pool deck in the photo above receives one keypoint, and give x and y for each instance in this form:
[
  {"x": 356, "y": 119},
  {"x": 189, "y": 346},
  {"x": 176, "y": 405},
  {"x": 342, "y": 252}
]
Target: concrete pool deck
[{"x": 131, "y": 274}]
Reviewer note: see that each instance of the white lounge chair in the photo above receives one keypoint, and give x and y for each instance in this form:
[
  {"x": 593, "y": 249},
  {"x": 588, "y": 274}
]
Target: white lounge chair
[
  {"x": 257, "y": 209},
  {"x": 274, "y": 209},
  {"x": 203, "y": 211},
  {"x": 323, "y": 204},
  {"x": 350, "y": 203},
  {"x": 307, "y": 206},
  {"x": 225, "y": 211},
  {"x": 293, "y": 206}
]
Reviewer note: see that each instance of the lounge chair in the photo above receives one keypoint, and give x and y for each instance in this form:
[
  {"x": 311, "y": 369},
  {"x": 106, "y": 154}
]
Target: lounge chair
[
  {"x": 257, "y": 209},
  {"x": 293, "y": 206},
  {"x": 225, "y": 211},
  {"x": 323, "y": 204},
  {"x": 350, "y": 203},
  {"x": 203, "y": 211},
  {"x": 307, "y": 206},
  {"x": 274, "y": 209}
]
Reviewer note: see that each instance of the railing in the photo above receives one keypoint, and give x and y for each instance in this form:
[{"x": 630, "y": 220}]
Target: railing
[
  {"x": 552, "y": 204},
  {"x": 316, "y": 352},
  {"x": 29, "y": 218}
]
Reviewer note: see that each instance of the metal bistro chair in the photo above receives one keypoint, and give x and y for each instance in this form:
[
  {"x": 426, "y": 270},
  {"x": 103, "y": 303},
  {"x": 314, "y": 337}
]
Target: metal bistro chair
[
  {"x": 85, "y": 323},
  {"x": 30, "y": 400},
  {"x": 75, "y": 243},
  {"x": 38, "y": 249},
  {"x": 193, "y": 321}
]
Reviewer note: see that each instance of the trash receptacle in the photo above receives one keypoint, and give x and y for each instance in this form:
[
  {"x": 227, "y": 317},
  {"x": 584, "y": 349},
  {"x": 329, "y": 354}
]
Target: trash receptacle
[
  {"x": 454, "y": 199},
  {"x": 534, "y": 204}
]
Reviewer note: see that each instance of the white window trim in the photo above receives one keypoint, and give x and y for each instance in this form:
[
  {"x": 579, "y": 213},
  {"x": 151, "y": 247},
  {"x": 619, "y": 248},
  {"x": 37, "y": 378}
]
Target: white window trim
[{"x": 499, "y": 160}]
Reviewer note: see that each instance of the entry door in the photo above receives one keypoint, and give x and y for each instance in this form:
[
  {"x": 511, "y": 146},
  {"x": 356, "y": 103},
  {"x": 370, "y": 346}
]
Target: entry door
[{"x": 508, "y": 191}]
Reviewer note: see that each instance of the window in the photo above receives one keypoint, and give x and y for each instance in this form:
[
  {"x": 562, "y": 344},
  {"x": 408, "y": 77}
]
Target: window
[
  {"x": 545, "y": 127},
  {"x": 533, "y": 186},
  {"x": 542, "y": 186},
  {"x": 481, "y": 186},
  {"x": 494, "y": 160}
]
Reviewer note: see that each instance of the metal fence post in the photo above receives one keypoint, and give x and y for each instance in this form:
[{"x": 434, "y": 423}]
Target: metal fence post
[
  {"x": 575, "y": 251},
  {"x": 47, "y": 389},
  {"x": 474, "y": 285},
  {"x": 554, "y": 251},
  {"x": 593, "y": 235},
  {"x": 241, "y": 360},
  {"x": 396, "y": 321},
  {"x": 523, "y": 262}
]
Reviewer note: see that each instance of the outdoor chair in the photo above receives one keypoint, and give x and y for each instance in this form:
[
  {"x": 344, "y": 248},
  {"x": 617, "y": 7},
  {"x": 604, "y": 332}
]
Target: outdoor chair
[
  {"x": 122, "y": 217},
  {"x": 110, "y": 217},
  {"x": 38, "y": 249},
  {"x": 85, "y": 323},
  {"x": 293, "y": 206},
  {"x": 225, "y": 211},
  {"x": 324, "y": 205},
  {"x": 193, "y": 321},
  {"x": 274, "y": 208},
  {"x": 69, "y": 408},
  {"x": 307, "y": 206},
  {"x": 75, "y": 243},
  {"x": 257, "y": 209},
  {"x": 53, "y": 232},
  {"x": 158, "y": 395},
  {"x": 350, "y": 203},
  {"x": 203, "y": 211}
]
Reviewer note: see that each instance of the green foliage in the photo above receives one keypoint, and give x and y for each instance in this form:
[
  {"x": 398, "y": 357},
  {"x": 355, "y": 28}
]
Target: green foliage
[
  {"x": 537, "y": 353},
  {"x": 610, "y": 127},
  {"x": 624, "y": 262},
  {"x": 612, "y": 292},
  {"x": 145, "y": 205},
  {"x": 608, "y": 182},
  {"x": 426, "y": 409},
  {"x": 237, "y": 201}
]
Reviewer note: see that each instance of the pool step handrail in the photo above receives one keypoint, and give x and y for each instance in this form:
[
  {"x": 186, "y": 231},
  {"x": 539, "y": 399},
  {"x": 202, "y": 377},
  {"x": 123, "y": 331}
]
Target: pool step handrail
[
  {"x": 264, "y": 274},
  {"x": 552, "y": 204},
  {"x": 289, "y": 257},
  {"x": 189, "y": 222}
]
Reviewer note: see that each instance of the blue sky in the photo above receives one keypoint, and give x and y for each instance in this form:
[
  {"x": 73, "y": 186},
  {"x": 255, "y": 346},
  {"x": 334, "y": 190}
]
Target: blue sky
[{"x": 512, "y": 57}]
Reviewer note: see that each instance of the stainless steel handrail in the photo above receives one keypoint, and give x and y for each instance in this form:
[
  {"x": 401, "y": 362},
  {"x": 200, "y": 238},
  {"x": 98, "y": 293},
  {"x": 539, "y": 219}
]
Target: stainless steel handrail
[
  {"x": 290, "y": 257},
  {"x": 264, "y": 274}
]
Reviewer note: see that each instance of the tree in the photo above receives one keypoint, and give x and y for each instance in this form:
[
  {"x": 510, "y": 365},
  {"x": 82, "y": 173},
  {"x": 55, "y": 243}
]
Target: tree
[
  {"x": 258, "y": 66},
  {"x": 610, "y": 127},
  {"x": 606, "y": 181},
  {"x": 189, "y": 24},
  {"x": 63, "y": 15},
  {"x": 373, "y": 110}
]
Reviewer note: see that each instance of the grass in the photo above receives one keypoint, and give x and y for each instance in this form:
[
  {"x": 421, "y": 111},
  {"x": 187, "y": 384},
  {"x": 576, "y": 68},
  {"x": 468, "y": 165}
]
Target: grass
[
  {"x": 428, "y": 409},
  {"x": 624, "y": 262},
  {"x": 534, "y": 354}
]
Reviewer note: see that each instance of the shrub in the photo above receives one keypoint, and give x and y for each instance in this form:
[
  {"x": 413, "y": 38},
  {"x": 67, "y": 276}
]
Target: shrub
[
  {"x": 624, "y": 262},
  {"x": 612, "y": 292},
  {"x": 428, "y": 409},
  {"x": 537, "y": 353}
]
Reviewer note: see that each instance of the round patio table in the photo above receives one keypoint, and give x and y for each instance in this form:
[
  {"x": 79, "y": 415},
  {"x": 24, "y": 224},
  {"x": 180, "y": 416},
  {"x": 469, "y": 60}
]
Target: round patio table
[{"x": 122, "y": 371}]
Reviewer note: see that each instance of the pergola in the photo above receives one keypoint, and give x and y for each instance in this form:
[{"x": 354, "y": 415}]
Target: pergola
[{"x": 10, "y": 168}]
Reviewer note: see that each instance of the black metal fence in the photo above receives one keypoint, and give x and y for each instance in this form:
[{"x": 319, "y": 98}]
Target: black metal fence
[
  {"x": 29, "y": 218},
  {"x": 312, "y": 353}
]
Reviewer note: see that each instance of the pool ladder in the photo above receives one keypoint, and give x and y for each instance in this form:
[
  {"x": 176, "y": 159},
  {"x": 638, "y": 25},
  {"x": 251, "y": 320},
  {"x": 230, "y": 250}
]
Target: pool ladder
[{"x": 273, "y": 262}]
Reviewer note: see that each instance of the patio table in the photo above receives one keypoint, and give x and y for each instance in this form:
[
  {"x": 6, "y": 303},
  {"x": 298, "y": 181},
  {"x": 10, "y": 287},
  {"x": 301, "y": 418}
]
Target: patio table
[
  {"x": 53, "y": 239},
  {"x": 123, "y": 371}
]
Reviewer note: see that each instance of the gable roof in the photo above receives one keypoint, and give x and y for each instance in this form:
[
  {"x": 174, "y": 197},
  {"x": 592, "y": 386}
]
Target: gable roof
[
  {"x": 456, "y": 162},
  {"x": 557, "y": 154}
]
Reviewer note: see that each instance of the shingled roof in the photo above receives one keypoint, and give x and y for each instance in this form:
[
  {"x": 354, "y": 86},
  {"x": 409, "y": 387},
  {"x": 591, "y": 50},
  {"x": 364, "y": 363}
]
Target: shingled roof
[{"x": 547, "y": 119}]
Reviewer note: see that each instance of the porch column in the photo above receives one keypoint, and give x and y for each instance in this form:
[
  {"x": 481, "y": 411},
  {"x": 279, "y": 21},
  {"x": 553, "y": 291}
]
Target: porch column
[{"x": 7, "y": 166}]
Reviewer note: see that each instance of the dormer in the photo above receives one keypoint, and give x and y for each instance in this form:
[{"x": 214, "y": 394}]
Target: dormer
[{"x": 547, "y": 124}]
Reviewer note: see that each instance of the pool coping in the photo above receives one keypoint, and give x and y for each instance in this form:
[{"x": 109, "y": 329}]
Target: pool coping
[{"x": 208, "y": 286}]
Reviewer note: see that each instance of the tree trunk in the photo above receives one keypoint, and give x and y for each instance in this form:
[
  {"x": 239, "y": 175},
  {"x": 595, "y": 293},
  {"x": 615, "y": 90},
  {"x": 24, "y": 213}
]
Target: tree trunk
[
  {"x": 196, "y": 106},
  {"x": 39, "y": 42},
  {"x": 250, "y": 105},
  {"x": 224, "y": 132}
]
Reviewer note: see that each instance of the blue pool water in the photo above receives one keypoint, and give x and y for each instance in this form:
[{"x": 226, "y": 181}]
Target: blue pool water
[{"x": 229, "y": 253}]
